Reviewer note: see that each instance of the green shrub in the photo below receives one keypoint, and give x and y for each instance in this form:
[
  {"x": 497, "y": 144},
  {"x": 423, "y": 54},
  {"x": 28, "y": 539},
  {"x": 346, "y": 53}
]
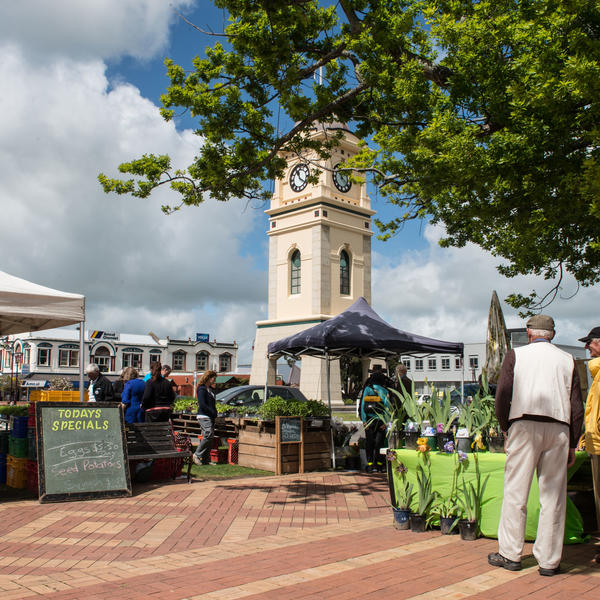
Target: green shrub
[
  {"x": 278, "y": 407},
  {"x": 17, "y": 411},
  {"x": 182, "y": 403}
]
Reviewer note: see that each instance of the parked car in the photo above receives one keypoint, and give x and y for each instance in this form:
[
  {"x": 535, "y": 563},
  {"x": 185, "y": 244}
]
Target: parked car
[{"x": 254, "y": 395}]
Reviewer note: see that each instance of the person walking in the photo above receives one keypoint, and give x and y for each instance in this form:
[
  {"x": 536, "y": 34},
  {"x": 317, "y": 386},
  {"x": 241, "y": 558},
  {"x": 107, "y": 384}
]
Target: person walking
[
  {"x": 132, "y": 395},
  {"x": 207, "y": 413},
  {"x": 158, "y": 398},
  {"x": 539, "y": 407},
  {"x": 592, "y": 415}
]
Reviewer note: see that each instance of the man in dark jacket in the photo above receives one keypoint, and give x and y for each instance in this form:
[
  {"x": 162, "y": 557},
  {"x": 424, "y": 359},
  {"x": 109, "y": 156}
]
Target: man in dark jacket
[{"x": 100, "y": 388}]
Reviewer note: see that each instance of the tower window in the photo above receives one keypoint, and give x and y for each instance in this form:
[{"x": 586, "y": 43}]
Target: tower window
[
  {"x": 344, "y": 273},
  {"x": 295, "y": 272}
]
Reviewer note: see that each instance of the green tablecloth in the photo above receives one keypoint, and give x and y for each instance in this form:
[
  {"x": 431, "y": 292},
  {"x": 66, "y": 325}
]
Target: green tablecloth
[{"x": 442, "y": 468}]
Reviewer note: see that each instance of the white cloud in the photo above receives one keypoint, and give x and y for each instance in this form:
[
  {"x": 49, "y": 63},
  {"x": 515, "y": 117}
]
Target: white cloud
[
  {"x": 139, "y": 269},
  {"x": 84, "y": 29},
  {"x": 445, "y": 293}
]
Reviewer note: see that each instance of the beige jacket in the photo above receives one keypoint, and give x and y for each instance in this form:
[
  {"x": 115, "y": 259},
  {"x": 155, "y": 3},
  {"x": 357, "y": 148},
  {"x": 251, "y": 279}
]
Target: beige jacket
[{"x": 592, "y": 410}]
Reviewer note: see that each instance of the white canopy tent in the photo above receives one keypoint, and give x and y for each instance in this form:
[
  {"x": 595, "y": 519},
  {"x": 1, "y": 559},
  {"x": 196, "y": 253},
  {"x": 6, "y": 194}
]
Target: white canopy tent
[{"x": 26, "y": 306}]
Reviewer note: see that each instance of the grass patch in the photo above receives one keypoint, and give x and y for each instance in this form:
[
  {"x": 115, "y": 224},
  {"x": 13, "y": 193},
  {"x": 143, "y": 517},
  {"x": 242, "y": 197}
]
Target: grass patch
[
  {"x": 346, "y": 416},
  {"x": 226, "y": 471}
]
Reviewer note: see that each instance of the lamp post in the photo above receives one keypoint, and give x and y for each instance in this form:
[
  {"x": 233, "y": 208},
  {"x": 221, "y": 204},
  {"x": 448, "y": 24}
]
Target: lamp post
[{"x": 18, "y": 357}]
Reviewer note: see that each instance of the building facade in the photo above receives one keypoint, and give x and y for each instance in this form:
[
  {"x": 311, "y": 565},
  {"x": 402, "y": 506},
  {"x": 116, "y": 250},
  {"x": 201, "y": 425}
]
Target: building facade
[
  {"x": 319, "y": 255},
  {"x": 445, "y": 371},
  {"x": 42, "y": 354}
]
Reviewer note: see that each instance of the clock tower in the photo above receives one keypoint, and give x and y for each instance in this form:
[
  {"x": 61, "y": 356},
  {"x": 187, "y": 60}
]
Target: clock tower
[{"x": 319, "y": 255}]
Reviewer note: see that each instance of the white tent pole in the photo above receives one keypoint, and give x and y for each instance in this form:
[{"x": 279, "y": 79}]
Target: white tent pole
[
  {"x": 462, "y": 382},
  {"x": 327, "y": 379},
  {"x": 81, "y": 358}
]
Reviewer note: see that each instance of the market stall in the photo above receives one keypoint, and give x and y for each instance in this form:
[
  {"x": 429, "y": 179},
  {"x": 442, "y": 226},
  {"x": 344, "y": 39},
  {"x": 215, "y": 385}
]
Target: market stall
[{"x": 442, "y": 469}]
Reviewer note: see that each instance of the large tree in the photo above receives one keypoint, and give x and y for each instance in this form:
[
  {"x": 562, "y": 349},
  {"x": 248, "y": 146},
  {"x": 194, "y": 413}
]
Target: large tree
[{"x": 481, "y": 115}]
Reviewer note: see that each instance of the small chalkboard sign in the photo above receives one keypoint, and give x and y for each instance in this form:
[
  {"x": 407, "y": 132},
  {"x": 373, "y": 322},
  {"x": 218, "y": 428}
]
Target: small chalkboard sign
[
  {"x": 290, "y": 429},
  {"x": 82, "y": 451},
  {"x": 288, "y": 432}
]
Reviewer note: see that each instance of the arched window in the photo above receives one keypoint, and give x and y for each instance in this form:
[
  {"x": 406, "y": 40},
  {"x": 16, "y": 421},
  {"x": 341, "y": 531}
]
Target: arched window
[
  {"x": 202, "y": 361},
  {"x": 225, "y": 362},
  {"x": 101, "y": 357},
  {"x": 295, "y": 272},
  {"x": 344, "y": 273}
]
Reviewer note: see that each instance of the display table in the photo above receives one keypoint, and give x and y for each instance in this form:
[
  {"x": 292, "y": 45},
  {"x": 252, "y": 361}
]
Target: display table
[{"x": 442, "y": 469}]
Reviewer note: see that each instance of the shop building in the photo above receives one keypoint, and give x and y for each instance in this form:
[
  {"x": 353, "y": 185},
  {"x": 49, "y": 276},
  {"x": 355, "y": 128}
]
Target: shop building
[{"x": 55, "y": 352}]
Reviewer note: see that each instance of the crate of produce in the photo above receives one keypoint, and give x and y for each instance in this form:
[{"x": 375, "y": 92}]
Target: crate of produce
[
  {"x": 59, "y": 396},
  {"x": 31, "y": 445},
  {"x": 32, "y": 476},
  {"x": 233, "y": 451},
  {"x": 18, "y": 426},
  {"x": 163, "y": 468},
  {"x": 219, "y": 456},
  {"x": 18, "y": 447},
  {"x": 16, "y": 472}
]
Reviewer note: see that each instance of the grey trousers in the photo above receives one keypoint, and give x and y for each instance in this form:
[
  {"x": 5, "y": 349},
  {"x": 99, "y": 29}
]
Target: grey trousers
[
  {"x": 531, "y": 446},
  {"x": 208, "y": 432}
]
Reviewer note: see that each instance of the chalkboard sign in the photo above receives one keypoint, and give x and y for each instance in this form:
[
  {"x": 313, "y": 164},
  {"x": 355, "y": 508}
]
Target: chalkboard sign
[
  {"x": 290, "y": 429},
  {"x": 82, "y": 451}
]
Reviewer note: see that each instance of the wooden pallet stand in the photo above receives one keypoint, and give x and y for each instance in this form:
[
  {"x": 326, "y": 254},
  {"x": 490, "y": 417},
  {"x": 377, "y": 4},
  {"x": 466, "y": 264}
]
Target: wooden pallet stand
[{"x": 258, "y": 446}]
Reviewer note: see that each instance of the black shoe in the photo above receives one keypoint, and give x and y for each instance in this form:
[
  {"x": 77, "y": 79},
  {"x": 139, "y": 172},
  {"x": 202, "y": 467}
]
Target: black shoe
[
  {"x": 381, "y": 468},
  {"x": 549, "y": 572},
  {"x": 369, "y": 468},
  {"x": 497, "y": 560}
]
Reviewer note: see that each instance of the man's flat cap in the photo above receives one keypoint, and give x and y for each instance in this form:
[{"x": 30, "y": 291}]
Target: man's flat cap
[{"x": 541, "y": 322}]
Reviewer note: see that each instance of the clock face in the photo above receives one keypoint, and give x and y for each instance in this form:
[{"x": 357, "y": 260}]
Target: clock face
[
  {"x": 299, "y": 177},
  {"x": 341, "y": 180}
]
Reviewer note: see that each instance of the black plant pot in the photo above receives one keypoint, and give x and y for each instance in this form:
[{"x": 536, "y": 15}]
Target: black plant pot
[
  {"x": 417, "y": 523},
  {"x": 464, "y": 444},
  {"x": 395, "y": 439},
  {"x": 401, "y": 518},
  {"x": 496, "y": 443},
  {"x": 410, "y": 439},
  {"x": 442, "y": 439},
  {"x": 353, "y": 463},
  {"x": 468, "y": 530},
  {"x": 446, "y": 524}
]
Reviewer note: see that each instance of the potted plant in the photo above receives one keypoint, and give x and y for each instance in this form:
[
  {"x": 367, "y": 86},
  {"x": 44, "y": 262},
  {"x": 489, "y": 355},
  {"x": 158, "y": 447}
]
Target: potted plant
[
  {"x": 442, "y": 416},
  {"x": 408, "y": 401},
  {"x": 419, "y": 520},
  {"x": 402, "y": 495},
  {"x": 393, "y": 418},
  {"x": 426, "y": 496},
  {"x": 448, "y": 509},
  {"x": 472, "y": 419},
  {"x": 470, "y": 498}
]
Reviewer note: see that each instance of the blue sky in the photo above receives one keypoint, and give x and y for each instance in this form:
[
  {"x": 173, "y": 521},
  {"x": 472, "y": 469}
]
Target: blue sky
[{"x": 81, "y": 88}]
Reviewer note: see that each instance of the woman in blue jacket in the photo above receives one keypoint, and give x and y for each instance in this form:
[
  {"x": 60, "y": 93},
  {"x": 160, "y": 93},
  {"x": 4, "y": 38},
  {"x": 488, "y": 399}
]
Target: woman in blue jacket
[{"x": 131, "y": 397}]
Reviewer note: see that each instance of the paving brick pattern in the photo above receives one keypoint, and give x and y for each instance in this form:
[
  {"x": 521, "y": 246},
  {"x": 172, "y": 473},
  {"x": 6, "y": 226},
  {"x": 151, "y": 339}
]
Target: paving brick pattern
[{"x": 313, "y": 536}]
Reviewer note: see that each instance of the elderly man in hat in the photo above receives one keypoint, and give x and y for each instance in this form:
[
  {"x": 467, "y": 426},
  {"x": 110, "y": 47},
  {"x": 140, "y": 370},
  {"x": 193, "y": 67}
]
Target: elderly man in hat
[
  {"x": 538, "y": 405},
  {"x": 592, "y": 414}
]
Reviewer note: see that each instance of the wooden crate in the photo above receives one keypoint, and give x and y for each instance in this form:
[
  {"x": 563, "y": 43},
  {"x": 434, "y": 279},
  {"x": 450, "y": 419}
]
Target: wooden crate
[{"x": 257, "y": 447}]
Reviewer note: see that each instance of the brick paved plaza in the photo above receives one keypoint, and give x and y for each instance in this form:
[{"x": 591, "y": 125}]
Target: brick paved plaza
[{"x": 308, "y": 536}]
